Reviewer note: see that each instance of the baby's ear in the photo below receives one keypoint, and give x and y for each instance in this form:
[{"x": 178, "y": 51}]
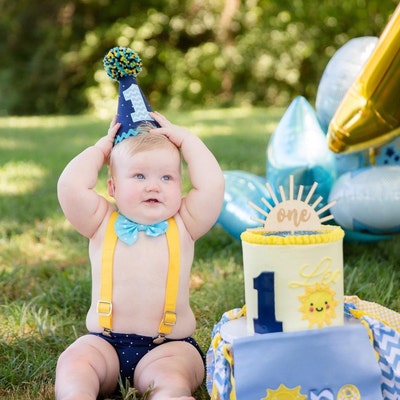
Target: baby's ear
[{"x": 110, "y": 187}]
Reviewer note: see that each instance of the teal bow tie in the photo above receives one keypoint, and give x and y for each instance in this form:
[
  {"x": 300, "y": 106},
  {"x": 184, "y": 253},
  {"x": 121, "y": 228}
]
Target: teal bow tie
[{"x": 128, "y": 231}]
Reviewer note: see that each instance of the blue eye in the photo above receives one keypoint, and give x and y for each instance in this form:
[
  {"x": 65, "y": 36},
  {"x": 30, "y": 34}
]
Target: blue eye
[
  {"x": 166, "y": 178},
  {"x": 139, "y": 176}
]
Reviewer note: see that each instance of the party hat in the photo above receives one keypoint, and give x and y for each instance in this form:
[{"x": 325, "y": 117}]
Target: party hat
[{"x": 123, "y": 65}]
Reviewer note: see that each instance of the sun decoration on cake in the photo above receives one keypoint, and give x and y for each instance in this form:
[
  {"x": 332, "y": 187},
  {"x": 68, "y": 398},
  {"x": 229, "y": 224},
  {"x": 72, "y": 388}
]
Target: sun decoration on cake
[
  {"x": 293, "y": 214},
  {"x": 318, "y": 304},
  {"x": 284, "y": 393}
]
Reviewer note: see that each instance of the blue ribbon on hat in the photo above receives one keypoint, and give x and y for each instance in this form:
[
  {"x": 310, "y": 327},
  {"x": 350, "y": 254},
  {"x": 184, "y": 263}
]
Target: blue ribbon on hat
[
  {"x": 125, "y": 135},
  {"x": 128, "y": 230}
]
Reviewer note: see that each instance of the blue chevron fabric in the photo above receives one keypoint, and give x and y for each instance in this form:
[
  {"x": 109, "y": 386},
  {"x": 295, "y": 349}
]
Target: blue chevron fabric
[{"x": 386, "y": 343}]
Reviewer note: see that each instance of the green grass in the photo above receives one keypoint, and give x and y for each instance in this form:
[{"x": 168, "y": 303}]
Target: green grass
[{"x": 44, "y": 270}]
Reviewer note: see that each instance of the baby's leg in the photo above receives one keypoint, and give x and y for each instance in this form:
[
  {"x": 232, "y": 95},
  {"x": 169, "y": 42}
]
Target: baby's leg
[
  {"x": 176, "y": 368},
  {"x": 86, "y": 368}
]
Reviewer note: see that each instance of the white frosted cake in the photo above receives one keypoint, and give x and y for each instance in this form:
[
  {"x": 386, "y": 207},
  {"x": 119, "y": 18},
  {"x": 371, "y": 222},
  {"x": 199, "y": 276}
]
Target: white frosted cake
[
  {"x": 293, "y": 268},
  {"x": 291, "y": 340}
]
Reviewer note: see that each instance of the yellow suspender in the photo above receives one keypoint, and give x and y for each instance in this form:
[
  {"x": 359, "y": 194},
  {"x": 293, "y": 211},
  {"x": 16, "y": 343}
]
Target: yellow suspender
[
  {"x": 168, "y": 320},
  {"x": 104, "y": 305}
]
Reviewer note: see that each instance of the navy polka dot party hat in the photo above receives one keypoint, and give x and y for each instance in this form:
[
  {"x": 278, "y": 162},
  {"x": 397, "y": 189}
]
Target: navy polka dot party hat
[{"x": 123, "y": 65}]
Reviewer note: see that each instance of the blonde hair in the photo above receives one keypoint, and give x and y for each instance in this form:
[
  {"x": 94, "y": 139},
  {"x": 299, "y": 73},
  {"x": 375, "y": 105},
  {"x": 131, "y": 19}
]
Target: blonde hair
[{"x": 142, "y": 142}]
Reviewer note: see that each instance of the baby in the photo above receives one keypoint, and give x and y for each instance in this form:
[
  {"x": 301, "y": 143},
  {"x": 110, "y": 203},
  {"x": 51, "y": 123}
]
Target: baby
[{"x": 135, "y": 336}]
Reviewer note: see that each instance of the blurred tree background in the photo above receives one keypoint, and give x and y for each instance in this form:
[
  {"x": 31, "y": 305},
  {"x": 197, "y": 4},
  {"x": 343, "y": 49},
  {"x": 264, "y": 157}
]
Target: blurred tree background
[{"x": 196, "y": 53}]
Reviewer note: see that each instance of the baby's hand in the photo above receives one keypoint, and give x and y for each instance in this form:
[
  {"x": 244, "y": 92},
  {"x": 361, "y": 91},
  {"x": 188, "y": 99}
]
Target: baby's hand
[
  {"x": 174, "y": 133},
  {"x": 105, "y": 144}
]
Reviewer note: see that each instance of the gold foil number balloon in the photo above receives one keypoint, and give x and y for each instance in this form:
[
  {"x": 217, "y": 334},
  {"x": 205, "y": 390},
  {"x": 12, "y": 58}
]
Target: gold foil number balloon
[{"x": 369, "y": 114}]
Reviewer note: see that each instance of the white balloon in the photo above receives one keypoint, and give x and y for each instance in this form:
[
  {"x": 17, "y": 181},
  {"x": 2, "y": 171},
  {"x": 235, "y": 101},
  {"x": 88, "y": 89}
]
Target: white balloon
[{"x": 368, "y": 199}]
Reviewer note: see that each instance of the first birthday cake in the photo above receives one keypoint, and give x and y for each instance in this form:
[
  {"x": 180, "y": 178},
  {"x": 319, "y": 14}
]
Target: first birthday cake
[
  {"x": 293, "y": 340},
  {"x": 293, "y": 268}
]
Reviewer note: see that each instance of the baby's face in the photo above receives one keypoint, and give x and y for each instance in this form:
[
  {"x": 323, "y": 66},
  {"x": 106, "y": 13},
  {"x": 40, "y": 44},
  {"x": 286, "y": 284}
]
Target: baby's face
[{"x": 147, "y": 185}]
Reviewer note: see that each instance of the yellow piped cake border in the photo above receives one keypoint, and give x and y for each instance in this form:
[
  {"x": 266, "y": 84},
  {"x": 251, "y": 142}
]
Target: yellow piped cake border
[{"x": 257, "y": 236}]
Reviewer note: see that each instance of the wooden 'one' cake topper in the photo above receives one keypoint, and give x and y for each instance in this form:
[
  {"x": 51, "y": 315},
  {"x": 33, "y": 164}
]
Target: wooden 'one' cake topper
[{"x": 293, "y": 214}]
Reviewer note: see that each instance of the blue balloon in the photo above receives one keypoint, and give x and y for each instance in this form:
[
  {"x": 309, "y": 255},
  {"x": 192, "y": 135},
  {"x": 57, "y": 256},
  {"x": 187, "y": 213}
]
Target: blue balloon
[
  {"x": 339, "y": 74},
  {"x": 354, "y": 236},
  {"x": 240, "y": 188},
  {"x": 351, "y": 161},
  {"x": 298, "y": 147}
]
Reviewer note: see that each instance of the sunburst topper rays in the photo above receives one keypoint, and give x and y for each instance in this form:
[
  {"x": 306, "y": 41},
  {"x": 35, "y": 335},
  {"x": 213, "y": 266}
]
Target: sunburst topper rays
[{"x": 292, "y": 214}]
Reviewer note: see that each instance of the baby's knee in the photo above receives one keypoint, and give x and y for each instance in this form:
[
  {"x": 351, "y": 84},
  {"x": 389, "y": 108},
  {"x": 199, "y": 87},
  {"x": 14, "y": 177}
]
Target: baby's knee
[
  {"x": 80, "y": 374},
  {"x": 72, "y": 355},
  {"x": 80, "y": 358},
  {"x": 65, "y": 358},
  {"x": 179, "y": 369}
]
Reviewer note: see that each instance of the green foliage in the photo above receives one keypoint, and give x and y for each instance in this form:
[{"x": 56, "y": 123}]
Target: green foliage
[
  {"x": 195, "y": 53},
  {"x": 44, "y": 268}
]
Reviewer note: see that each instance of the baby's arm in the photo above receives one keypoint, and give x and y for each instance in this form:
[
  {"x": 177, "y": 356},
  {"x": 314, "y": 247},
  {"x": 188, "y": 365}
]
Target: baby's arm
[
  {"x": 82, "y": 206},
  {"x": 202, "y": 205}
]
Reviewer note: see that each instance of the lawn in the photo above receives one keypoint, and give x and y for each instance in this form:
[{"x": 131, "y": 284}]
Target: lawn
[{"x": 44, "y": 270}]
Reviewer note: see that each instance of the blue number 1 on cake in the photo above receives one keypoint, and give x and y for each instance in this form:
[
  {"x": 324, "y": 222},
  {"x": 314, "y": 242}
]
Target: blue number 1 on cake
[{"x": 266, "y": 322}]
